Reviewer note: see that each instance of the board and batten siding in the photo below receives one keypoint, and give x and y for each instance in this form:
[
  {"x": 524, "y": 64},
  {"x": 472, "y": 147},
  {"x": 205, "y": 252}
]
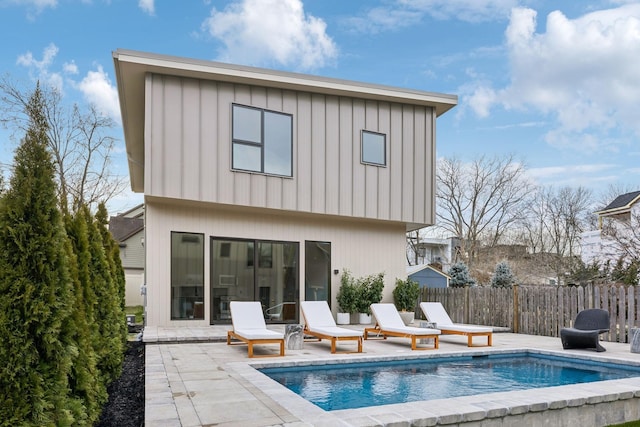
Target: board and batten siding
[
  {"x": 362, "y": 247},
  {"x": 188, "y": 151}
]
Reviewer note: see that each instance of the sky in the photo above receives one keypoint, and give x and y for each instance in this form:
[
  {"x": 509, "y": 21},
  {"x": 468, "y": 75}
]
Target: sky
[{"x": 554, "y": 83}]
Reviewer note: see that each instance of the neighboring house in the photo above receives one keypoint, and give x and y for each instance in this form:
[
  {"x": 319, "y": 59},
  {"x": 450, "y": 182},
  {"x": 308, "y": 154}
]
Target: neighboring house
[
  {"x": 617, "y": 218},
  {"x": 265, "y": 185},
  {"x": 128, "y": 230},
  {"x": 433, "y": 250},
  {"x": 427, "y": 276}
]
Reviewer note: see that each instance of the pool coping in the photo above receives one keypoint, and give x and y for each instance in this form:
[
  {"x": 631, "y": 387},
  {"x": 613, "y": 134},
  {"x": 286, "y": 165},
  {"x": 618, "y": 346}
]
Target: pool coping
[{"x": 456, "y": 410}]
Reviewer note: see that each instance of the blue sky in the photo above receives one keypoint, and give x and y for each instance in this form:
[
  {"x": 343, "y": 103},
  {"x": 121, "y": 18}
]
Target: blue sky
[{"x": 556, "y": 83}]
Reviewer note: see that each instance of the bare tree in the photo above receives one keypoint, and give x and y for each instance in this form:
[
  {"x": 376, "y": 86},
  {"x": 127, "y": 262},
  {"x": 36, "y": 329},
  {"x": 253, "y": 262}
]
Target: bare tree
[
  {"x": 79, "y": 140},
  {"x": 481, "y": 200}
]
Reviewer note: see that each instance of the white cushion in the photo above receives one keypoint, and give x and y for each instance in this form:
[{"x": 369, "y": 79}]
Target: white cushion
[
  {"x": 336, "y": 331},
  {"x": 317, "y": 314},
  {"x": 258, "y": 334}
]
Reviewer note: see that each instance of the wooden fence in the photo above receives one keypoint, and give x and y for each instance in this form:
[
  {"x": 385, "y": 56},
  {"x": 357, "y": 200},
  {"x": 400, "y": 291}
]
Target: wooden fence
[{"x": 540, "y": 310}]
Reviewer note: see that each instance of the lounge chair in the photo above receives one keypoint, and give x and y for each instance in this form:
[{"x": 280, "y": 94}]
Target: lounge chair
[
  {"x": 319, "y": 323},
  {"x": 587, "y": 327},
  {"x": 389, "y": 323},
  {"x": 435, "y": 312},
  {"x": 250, "y": 328}
]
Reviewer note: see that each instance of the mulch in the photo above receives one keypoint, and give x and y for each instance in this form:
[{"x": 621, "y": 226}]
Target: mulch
[{"x": 125, "y": 407}]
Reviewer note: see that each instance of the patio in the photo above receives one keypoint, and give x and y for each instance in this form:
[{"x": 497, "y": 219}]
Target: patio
[{"x": 194, "y": 379}]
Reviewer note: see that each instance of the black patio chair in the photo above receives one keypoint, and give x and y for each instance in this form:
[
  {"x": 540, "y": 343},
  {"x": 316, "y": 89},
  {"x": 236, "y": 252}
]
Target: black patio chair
[{"x": 588, "y": 326}]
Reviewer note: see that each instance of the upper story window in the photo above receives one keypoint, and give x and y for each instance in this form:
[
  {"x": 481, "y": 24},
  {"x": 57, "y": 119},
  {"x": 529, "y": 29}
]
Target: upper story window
[
  {"x": 374, "y": 148},
  {"x": 262, "y": 141}
]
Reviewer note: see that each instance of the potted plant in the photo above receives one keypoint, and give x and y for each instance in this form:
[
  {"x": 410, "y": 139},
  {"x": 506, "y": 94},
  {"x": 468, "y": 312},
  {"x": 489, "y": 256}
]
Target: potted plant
[
  {"x": 369, "y": 290},
  {"x": 405, "y": 295},
  {"x": 347, "y": 296}
]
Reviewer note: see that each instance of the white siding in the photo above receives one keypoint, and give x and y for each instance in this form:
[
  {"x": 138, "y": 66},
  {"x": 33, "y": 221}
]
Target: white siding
[
  {"x": 188, "y": 152},
  {"x": 363, "y": 247}
]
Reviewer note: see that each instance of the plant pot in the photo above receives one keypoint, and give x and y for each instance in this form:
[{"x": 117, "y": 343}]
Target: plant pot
[
  {"x": 364, "y": 318},
  {"x": 407, "y": 317},
  {"x": 343, "y": 318}
]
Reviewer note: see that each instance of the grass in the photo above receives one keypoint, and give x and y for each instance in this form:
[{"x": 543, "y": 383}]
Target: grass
[
  {"x": 138, "y": 310},
  {"x": 629, "y": 424}
]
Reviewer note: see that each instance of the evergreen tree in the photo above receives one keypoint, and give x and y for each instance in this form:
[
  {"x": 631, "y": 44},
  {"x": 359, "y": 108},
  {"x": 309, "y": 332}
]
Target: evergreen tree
[
  {"x": 112, "y": 251},
  {"x": 460, "y": 276},
  {"x": 35, "y": 294},
  {"x": 85, "y": 380},
  {"x": 503, "y": 276},
  {"x": 108, "y": 314}
]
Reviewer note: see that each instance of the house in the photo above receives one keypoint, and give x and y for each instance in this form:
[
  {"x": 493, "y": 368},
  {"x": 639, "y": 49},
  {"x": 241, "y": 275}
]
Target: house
[
  {"x": 619, "y": 218},
  {"x": 128, "y": 230},
  {"x": 265, "y": 185},
  {"x": 429, "y": 250},
  {"x": 427, "y": 276}
]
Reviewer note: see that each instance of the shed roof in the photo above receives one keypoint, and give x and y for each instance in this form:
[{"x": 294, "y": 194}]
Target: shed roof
[
  {"x": 621, "y": 203},
  {"x": 413, "y": 269},
  {"x": 131, "y": 67}
]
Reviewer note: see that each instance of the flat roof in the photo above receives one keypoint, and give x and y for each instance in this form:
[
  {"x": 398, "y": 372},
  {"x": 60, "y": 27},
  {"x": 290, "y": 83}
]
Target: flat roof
[{"x": 132, "y": 66}]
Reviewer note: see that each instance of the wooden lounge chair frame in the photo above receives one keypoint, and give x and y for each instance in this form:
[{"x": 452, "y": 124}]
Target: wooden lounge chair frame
[
  {"x": 319, "y": 336},
  {"x": 460, "y": 330},
  {"x": 380, "y": 334},
  {"x": 251, "y": 342},
  {"x": 410, "y": 332},
  {"x": 250, "y": 319}
]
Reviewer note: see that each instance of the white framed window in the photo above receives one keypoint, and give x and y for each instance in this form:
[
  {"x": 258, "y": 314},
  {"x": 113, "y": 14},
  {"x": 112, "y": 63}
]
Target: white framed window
[
  {"x": 262, "y": 141},
  {"x": 374, "y": 148}
]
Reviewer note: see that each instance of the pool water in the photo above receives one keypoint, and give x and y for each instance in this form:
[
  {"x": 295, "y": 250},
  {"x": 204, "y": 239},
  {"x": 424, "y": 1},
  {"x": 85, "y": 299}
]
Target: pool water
[{"x": 356, "y": 385}]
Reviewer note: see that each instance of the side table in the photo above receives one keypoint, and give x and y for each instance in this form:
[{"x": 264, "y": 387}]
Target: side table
[
  {"x": 430, "y": 325},
  {"x": 293, "y": 336},
  {"x": 634, "y": 340}
]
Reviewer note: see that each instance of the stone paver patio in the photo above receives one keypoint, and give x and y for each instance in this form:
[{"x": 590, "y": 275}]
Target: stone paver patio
[{"x": 194, "y": 379}]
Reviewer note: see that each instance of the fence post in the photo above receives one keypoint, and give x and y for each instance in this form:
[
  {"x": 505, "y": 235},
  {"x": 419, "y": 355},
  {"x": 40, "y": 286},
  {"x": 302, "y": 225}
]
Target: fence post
[{"x": 516, "y": 315}]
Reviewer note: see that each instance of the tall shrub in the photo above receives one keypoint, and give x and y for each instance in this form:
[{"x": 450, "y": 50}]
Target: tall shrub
[
  {"x": 118, "y": 285},
  {"x": 35, "y": 290},
  {"x": 109, "y": 315},
  {"x": 85, "y": 380},
  {"x": 460, "y": 277},
  {"x": 502, "y": 276}
]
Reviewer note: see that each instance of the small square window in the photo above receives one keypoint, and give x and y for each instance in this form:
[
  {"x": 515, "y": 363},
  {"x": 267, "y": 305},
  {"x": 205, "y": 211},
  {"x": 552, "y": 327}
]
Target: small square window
[{"x": 374, "y": 148}]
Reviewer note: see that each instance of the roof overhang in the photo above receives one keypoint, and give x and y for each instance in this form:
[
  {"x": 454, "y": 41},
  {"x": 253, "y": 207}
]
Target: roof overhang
[{"x": 131, "y": 67}]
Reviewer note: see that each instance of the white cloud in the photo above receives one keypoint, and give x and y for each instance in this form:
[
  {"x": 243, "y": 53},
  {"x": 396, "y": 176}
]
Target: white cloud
[
  {"x": 264, "y": 32},
  {"x": 582, "y": 72},
  {"x": 70, "y": 67},
  {"x": 586, "y": 175},
  {"x": 404, "y": 13},
  {"x": 39, "y": 69},
  {"x": 148, "y": 6},
  {"x": 34, "y": 7},
  {"x": 98, "y": 90}
]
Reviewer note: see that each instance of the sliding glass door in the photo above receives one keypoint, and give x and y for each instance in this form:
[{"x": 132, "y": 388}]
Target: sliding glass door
[
  {"x": 254, "y": 270},
  {"x": 317, "y": 267}
]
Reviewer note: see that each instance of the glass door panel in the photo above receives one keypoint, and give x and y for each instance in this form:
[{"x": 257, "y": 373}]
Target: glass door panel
[
  {"x": 247, "y": 270},
  {"x": 317, "y": 268},
  {"x": 231, "y": 275}
]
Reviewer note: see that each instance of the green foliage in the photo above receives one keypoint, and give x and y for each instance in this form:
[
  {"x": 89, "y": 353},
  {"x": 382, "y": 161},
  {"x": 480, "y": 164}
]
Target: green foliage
[
  {"x": 405, "y": 294},
  {"x": 110, "y": 349},
  {"x": 369, "y": 290},
  {"x": 460, "y": 277},
  {"x": 85, "y": 378},
  {"x": 502, "y": 276},
  {"x": 35, "y": 288},
  {"x": 118, "y": 285},
  {"x": 626, "y": 273},
  {"x": 347, "y": 295},
  {"x": 582, "y": 274}
]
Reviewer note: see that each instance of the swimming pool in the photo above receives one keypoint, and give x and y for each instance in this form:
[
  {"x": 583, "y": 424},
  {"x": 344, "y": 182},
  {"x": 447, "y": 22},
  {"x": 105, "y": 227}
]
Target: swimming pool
[{"x": 356, "y": 385}]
